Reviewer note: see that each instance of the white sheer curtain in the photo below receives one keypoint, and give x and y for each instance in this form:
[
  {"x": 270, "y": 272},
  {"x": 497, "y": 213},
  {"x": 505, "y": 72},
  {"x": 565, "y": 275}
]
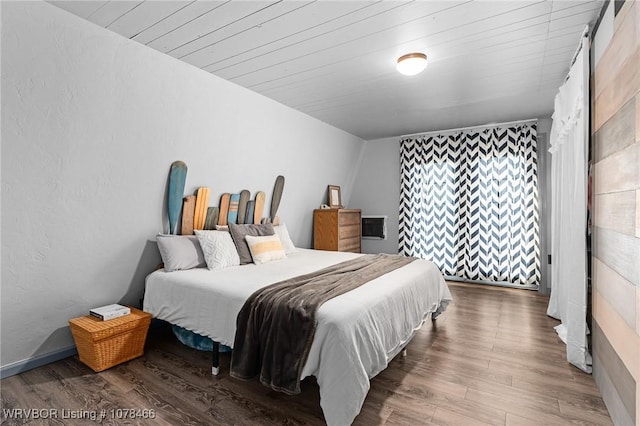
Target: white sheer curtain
[{"x": 569, "y": 149}]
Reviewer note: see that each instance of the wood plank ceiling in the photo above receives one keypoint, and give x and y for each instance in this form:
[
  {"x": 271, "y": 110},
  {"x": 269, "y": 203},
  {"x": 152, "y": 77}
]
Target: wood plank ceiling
[{"x": 335, "y": 60}]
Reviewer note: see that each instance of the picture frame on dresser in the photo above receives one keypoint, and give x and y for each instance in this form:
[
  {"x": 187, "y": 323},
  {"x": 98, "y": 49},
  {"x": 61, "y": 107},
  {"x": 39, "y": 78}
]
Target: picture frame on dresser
[{"x": 334, "y": 198}]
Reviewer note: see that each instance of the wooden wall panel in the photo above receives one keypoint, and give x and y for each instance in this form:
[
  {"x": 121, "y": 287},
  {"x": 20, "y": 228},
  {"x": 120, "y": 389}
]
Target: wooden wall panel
[
  {"x": 620, "y": 293},
  {"x": 612, "y": 400},
  {"x": 622, "y": 380},
  {"x": 624, "y": 86},
  {"x": 620, "y": 252},
  {"x": 627, "y": 7},
  {"x": 637, "y": 310},
  {"x": 616, "y": 217},
  {"x": 621, "y": 46},
  {"x": 616, "y": 211},
  {"x": 619, "y": 171},
  {"x": 623, "y": 338},
  {"x": 617, "y": 133},
  {"x": 638, "y": 117},
  {"x": 637, "y": 214}
]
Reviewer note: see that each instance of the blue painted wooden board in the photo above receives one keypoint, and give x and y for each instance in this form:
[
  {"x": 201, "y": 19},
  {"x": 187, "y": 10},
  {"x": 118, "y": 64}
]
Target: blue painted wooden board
[
  {"x": 251, "y": 204},
  {"x": 177, "y": 179},
  {"x": 232, "y": 216}
]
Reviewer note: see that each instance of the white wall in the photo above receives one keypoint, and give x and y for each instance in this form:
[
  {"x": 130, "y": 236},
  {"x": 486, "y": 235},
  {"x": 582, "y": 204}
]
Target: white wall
[
  {"x": 376, "y": 190},
  {"x": 544, "y": 194},
  {"x": 91, "y": 122}
]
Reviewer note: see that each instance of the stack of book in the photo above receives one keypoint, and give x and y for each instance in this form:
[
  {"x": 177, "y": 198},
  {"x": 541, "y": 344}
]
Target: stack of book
[{"x": 110, "y": 312}]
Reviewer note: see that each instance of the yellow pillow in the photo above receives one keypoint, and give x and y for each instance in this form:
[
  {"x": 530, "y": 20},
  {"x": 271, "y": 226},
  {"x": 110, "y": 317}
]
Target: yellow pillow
[{"x": 265, "y": 249}]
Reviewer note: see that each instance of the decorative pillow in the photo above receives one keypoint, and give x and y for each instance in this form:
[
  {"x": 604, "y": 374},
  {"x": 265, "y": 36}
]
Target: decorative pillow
[
  {"x": 218, "y": 248},
  {"x": 180, "y": 252},
  {"x": 238, "y": 232},
  {"x": 285, "y": 239},
  {"x": 222, "y": 228},
  {"x": 265, "y": 249}
]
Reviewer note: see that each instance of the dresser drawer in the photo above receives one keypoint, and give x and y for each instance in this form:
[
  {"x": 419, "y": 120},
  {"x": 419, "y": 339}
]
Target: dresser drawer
[
  {"x": 349, "y": 231},
  {"x": 350, "y": 244},
  {"x": 349, "y": 218}
]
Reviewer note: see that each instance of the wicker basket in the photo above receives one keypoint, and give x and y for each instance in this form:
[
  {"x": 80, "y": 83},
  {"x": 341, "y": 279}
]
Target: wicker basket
[{"x": 103, "y": 344}]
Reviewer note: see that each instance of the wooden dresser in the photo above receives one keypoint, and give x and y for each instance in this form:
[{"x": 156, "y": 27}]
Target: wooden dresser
[{"x": 337, "y": 229}]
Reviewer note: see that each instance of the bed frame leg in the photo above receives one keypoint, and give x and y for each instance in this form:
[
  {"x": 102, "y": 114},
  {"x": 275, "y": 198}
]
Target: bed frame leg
[
  {"x": 215, "y": 360},
  {"x": 404, "y": 352}
]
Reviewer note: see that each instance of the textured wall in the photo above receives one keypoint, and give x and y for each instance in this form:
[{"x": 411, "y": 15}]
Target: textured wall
[
  {"x": 376, "y": 190},
  {"x": 616, "y": 219},
  {"x": 91, "y": 122}
]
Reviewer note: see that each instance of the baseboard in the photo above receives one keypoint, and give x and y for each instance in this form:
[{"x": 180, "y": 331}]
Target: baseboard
[
  {"x": 494, "y": 283},
  {"x": 36, "y": 361},
  {"x": 40, "y": 360}
]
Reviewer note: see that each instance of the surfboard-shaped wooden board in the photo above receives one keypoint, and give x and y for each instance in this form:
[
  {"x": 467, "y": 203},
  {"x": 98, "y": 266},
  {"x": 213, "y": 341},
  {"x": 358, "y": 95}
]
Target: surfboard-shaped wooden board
[
  {"x": 212, "y": 218},
  {"x": 177, "y": 179},
  {"x": 242, "y": 205},
  {"x": 196, "y": 211},
  {"x": 188, "y": 210},
  {"x": 232, "y": 216},
  {"x": 224, "y": 209},
  {"x": 259, "y": 206},
  {"x": 202, "y": 201},
  {"x": 248, "y": 218},
  {"x": 276, "y": 197}
]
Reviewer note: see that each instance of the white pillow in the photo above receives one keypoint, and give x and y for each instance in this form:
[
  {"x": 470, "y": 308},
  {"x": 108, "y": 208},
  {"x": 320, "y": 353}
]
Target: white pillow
[
  {"x": 265, "y": 248},
  {"x": 218, "y": 248},
  {"x": 285, "y": 239}
]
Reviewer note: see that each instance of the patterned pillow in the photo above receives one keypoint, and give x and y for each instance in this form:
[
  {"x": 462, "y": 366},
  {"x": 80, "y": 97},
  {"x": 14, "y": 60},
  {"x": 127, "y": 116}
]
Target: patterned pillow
[
  {"x": 265, "y": 249},
  {"x": 218, "y": 248},
  {"x": 180, "y": 252},
  {"x": 238, "y": 232}
]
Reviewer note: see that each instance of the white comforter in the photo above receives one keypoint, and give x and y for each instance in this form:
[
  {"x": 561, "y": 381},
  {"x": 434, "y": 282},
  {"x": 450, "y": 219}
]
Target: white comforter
[{"x": 357, "y": 334}]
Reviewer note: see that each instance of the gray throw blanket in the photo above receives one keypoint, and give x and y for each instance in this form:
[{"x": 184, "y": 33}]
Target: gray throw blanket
[{"x": 276, "y": 325}]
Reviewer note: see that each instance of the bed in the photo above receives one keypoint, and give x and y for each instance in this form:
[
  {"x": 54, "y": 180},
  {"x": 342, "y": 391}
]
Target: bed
[{"x": 357, "y": 333}]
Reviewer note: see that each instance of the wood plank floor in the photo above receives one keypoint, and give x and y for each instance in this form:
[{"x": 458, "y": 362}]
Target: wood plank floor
[{"x": 493, "y": 358}]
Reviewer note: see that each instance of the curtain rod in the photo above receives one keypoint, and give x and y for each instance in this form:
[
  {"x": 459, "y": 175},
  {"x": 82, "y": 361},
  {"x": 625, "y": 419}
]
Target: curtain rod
[
  {"x": 585, "y": 33},
  {"x": 484, "y": 126}
]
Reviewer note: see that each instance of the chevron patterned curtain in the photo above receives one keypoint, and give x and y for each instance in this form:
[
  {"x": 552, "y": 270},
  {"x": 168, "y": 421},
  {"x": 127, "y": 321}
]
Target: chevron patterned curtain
[{"x": 469, "y": 203}]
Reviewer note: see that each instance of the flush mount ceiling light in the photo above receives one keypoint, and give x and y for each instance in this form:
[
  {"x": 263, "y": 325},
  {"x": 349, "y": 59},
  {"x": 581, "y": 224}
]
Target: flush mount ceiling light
[{"x": 412, "y": 63}]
